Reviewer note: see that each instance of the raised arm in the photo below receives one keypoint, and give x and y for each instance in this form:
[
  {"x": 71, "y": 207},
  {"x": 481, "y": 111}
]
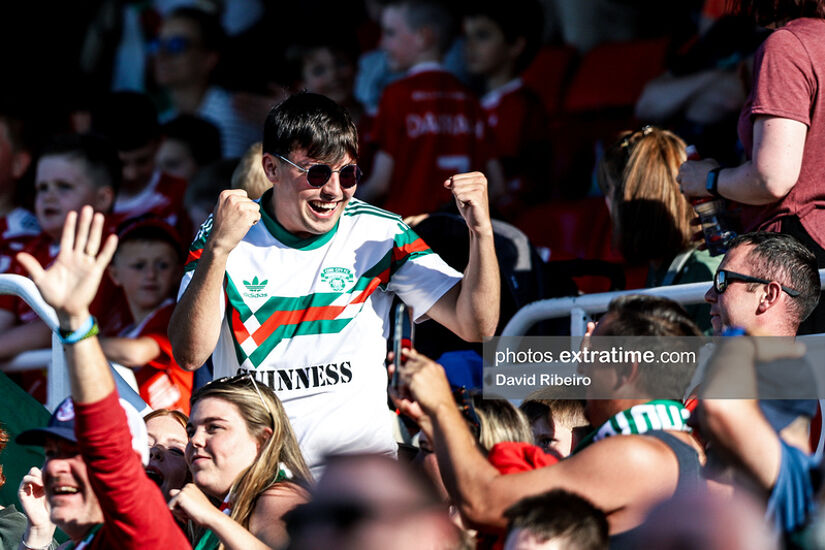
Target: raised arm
[
  {"x": 482, "y": 494},
  {"x": 737, "y": 425},
  {"x": 471, "y": 308},
  {"x": 195, "y": 325},
  {"x": 69, "y": 285}
]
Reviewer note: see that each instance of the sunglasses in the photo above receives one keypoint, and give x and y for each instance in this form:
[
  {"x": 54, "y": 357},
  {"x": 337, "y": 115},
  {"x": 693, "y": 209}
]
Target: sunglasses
[
  {"x": 318, "y": 174},
  {"x": 725, "y": 277},
  {"x": 172, "y": 46},
  {"x": 243, "y": 377}
]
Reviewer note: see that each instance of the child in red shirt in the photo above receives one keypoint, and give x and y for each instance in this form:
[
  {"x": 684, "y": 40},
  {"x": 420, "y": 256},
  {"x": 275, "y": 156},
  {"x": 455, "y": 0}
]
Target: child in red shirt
[{"x": 147, "y": 267}]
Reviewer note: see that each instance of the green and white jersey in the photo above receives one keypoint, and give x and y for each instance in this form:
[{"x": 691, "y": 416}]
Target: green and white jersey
[{"x": 309, "y": 317}]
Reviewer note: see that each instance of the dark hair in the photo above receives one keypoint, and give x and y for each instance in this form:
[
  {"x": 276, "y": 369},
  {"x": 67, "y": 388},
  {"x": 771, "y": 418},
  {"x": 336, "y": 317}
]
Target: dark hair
[
  {"x": 211, "y": 33},
  {"x": 566, "y": 517},
  {"x": 434, "y": 14},
  {"x": 643, "y": 315},
  {"x": 340, "y": 46},
  {"x": 128, "y": 119},
  {"x": 15, "y": 127},
  {"x": 311, "y": 122},
  {"x": 516, "y": 19},
  {"x": 201, "y": 137},
  {"x": 100, "y": 157},
  {"x": 765, "y": 12},
  {"x": 646, "y": 315},
  {"x": 149, "y": 227},
  {"x": 780, "y": 257},
  {"x": 208, "y": 182}
]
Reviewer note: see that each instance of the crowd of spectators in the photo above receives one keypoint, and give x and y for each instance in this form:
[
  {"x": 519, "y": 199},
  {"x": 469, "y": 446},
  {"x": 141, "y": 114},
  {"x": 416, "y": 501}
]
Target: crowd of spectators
[{"x": 224, "y": 203}]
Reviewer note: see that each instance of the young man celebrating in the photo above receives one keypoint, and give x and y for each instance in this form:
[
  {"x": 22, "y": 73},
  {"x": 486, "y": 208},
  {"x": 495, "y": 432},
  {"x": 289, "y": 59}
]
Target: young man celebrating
[{"x": 297, "y": 287}]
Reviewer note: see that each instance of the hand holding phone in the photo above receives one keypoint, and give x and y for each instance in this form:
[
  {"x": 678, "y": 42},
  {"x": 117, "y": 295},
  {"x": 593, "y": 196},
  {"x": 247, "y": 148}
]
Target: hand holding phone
[{"x": 402, "y": 338}]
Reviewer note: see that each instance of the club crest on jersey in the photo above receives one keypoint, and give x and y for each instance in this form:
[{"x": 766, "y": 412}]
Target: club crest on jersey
[
  {"x": 254, "y": 287},
  {"x": 337, "y": 277}
]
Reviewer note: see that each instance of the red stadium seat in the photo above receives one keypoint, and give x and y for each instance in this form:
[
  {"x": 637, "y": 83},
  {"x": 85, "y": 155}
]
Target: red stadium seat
[
  {"x": 578, "y": 229},
  {"x": 549, "y": 74},
  {"x": 613, "y": 75}
]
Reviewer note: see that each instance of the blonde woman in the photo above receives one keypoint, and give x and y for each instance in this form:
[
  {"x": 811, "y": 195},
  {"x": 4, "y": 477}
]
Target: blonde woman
[
  {"x": 651, "y": 218},
  {"x": 241, "y": 452}
]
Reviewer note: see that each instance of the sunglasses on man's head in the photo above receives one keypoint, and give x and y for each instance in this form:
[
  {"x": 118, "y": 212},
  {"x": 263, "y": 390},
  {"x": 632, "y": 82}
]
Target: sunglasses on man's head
[
  {"x": 318, "y": 174},
  {"x": 241, "y": 379},
  {"x": 725, "y": 277}
]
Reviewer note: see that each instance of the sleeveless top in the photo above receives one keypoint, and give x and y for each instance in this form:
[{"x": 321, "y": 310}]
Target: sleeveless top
[{"x": 690, "y": 479}]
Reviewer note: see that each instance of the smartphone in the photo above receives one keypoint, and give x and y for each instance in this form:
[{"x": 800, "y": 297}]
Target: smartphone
[{"x": 402, "y": 337}]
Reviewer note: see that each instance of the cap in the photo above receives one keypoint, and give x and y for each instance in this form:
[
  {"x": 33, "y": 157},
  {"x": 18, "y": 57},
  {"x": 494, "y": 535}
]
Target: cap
[{"x": 61, "y": 424}]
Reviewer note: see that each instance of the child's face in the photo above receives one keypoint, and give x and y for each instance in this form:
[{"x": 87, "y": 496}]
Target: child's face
[
  {"x": 63, "y": 184},
  {"x": 397, "y": 39},
  {"x": 175, "y": 158},
  {"x": 147, "y": 271},
  {"x": 328, "y": 73},
  {"x": 485, "y": 48},
  {"x": 553, "y": 437}
]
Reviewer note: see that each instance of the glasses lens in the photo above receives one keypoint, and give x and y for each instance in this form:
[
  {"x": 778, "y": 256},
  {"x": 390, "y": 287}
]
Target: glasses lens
[
  {"x": 350, "y": 175},
  {"x": 318, "y": 175},
  {"x": 721, "y": 282}
]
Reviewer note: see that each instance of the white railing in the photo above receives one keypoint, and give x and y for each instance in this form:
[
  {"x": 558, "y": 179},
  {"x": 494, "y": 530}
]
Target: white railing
[
  {"x": 58, "y": 379},
  {"x": 57, "y": 387},
  {"x": 579, "y": 308}
]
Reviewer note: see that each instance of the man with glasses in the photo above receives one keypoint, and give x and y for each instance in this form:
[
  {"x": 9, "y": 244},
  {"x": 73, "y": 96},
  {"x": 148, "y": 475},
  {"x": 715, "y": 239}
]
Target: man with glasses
[
  {"x": 297, "y": 287},
  {"x": 767, "y": 283}
]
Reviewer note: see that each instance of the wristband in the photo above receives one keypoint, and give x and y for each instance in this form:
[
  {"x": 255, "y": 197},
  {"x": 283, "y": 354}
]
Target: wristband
[
  {"x": 87, "y": 330},
  {"x": 712, "y": 182}
]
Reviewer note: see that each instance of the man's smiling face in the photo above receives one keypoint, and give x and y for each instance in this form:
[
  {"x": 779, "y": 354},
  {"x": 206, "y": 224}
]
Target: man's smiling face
[
  {"x": 737, "y": 306},
  {"x": 301, "y": 209},
  {"x": 72, "y": 503}
]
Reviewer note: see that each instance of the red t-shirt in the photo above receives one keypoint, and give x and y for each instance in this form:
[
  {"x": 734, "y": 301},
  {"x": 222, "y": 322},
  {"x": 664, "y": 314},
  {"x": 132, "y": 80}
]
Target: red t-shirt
[
  {"x": 162, "y": 383},
  {"x": 517, "y": 124},
  {"x": 163, "y": 197},
  {"x": 17, "y": 229},
  {"x": 135, "y": 514},
  {"x": 433, "y": 127},
  {"x": 788, "y": 69}
]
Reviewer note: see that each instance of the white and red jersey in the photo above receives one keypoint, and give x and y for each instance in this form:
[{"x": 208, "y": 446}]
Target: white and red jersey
[
  {"x": 163, "y": 197},
  {"x": 17, "y": 229},
  {"x": 433, "y": 127}
]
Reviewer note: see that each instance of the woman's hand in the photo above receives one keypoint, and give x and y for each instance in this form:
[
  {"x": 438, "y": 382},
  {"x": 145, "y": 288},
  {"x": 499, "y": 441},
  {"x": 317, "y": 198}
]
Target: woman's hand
[
  {"x": 693, "y": 175},
  {"x": 190, "y": 503}
]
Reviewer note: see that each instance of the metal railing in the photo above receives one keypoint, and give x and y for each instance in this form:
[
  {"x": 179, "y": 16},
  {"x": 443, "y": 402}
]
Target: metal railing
[
  {"x": 57, "y": 387},
  {"x": 579, "y": 308}
]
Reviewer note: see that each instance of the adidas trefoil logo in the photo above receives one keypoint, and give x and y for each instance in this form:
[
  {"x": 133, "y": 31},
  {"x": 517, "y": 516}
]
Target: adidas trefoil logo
[{"x": 254, "y": 287}]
